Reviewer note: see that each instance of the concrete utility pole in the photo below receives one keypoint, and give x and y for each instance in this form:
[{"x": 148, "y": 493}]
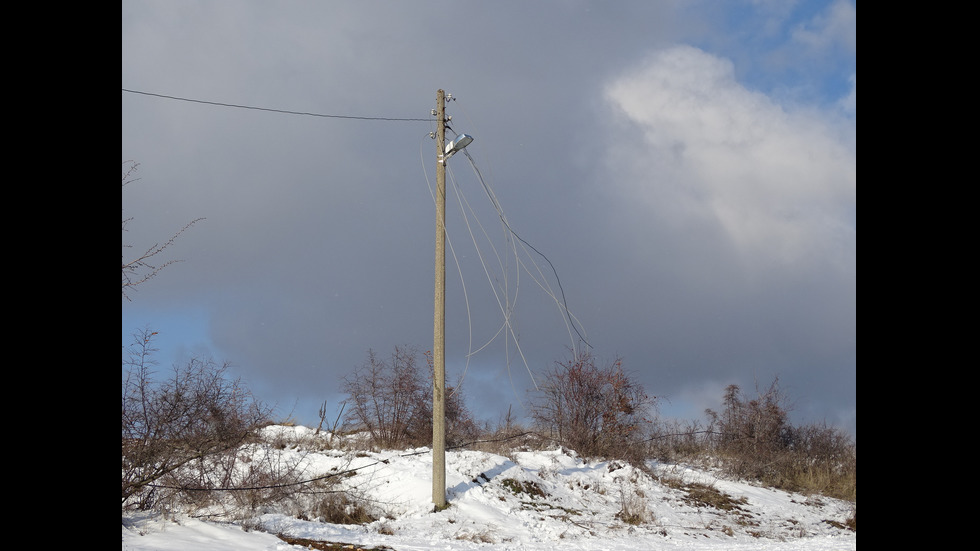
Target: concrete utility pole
[
  {"x": 439, "y": 326},
  {"x": 443, "y": 153}
]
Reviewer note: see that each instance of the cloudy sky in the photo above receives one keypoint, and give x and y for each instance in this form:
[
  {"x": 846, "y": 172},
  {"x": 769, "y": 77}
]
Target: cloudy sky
[{"x": 688, "y": 169}]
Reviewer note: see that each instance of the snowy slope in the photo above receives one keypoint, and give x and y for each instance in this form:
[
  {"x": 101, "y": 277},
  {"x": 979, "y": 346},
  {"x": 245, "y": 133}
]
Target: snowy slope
[{"x": 543, "y": 500}]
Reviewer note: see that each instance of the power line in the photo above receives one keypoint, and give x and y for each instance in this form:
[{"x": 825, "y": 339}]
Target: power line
[
  {"x": 503, "y": 219},
  {"x": 277, "y": 110}
]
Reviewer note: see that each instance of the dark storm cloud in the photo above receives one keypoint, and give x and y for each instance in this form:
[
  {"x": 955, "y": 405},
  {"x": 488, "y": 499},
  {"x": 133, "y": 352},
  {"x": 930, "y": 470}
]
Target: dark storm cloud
[{"x": 680, "y": 250}]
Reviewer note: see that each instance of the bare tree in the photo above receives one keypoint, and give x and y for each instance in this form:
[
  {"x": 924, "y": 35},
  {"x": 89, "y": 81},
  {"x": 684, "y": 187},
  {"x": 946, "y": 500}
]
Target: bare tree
[
  {"x": 144, "y": 266},
  {"x": 597, "y": 411}
]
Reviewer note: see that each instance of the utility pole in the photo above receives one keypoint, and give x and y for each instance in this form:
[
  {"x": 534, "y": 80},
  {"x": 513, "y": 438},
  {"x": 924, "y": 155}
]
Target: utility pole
[
  {"x": 439, "y": 325},
  {"x": 443, "y": 153}
]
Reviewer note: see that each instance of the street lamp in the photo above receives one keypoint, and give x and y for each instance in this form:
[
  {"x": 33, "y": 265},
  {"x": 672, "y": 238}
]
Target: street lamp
[
  {"x": 443, "y": 153},
  {"x": 456, "y": 146}
]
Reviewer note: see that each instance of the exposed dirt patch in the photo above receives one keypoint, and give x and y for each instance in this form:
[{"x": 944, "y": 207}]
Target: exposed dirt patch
[
  {"x": 322, "y": 545},
  {"x": 530, "y": 488}
]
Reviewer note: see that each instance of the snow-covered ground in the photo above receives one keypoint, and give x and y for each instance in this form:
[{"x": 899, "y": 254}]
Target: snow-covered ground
[{"x": 544, "y": 500}]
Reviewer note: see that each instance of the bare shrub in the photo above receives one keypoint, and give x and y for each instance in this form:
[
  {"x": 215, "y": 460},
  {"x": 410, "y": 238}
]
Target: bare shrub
[
  {"x": 754, "y": 439},
  {"x": 461, "y": 428},
  {"x": 751, "y": 434},
  {"x": 386, "y": 398},
  {"x": 340, "y": 508},
  {"x": 505, "y": 436},
  {"x": 633, "y": 508},
  {"x": 180, "y": 432},
  {"x": 392, "y": 400},
  {"x": 596, "y": 411},
  {"x": 823, "y": 459},
  {"x": 333, "y": 430},
  {"x": 675, "y": 440}
]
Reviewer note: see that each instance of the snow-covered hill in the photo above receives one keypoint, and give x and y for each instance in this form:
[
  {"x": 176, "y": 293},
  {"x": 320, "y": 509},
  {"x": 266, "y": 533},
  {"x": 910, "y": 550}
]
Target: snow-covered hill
[{"x": 543, "y": 500}]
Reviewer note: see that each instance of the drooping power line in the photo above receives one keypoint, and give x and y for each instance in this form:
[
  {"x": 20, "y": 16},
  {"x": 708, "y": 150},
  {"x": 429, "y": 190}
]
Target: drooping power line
[{"x": 277, "y": 110}]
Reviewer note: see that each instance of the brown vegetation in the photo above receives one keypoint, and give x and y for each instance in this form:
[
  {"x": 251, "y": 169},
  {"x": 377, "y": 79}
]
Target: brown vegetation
[
  {"x": 596, "y": 411},
  {"x": 185, "y": 436},
  {"x": 392, "y": 401},
  {"x": 754, "y": 439},
  {"x": 180, "y": 435}
]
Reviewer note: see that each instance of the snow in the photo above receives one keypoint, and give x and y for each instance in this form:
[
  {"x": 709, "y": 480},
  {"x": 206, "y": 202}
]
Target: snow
[{"x": 527, "y": 501}]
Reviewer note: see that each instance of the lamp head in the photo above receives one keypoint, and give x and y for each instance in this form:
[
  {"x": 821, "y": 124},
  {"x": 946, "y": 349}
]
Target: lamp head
[{"x": 461, "y": 142}]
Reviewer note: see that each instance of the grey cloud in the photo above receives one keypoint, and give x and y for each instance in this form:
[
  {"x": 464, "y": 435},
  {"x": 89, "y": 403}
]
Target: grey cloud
[{"x": 318, "y": 238}]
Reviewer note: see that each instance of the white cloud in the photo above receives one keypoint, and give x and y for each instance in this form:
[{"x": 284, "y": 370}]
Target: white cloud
[
  {"x": 835, "y": 27},
  {"x": 778, "y": 182},
  {"x": 849, "y": 102}
]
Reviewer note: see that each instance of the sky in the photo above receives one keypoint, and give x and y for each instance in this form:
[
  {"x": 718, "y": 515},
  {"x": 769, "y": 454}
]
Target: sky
[{"x": 672, "y": 184}]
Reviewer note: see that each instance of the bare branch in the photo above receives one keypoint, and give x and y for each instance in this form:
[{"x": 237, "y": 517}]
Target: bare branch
[{"x": 138, "y": 270}]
